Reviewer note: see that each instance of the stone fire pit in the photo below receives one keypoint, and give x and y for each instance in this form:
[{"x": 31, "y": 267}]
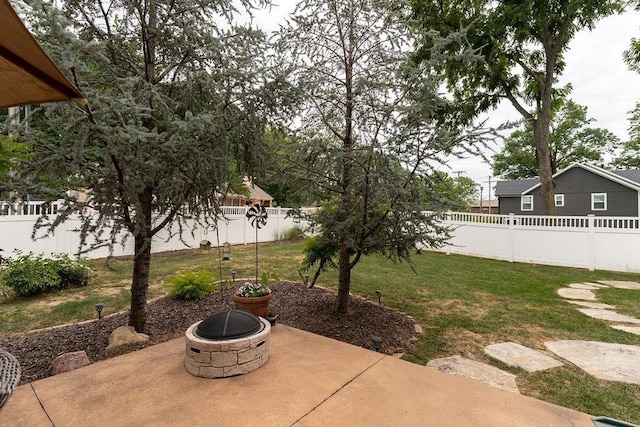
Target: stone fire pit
[{"x": 227, "y": 344}]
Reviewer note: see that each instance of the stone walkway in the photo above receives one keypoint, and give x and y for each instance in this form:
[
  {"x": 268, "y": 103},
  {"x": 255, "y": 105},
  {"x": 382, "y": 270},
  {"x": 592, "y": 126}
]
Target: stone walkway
[
  {"x": 607, "y": 361},
  {"x": 582, "y": 294}
]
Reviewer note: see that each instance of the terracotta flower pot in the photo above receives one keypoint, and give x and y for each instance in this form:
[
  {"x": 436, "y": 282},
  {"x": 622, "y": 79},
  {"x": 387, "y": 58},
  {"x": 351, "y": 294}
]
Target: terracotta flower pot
[{"x": 256, "y": 305}]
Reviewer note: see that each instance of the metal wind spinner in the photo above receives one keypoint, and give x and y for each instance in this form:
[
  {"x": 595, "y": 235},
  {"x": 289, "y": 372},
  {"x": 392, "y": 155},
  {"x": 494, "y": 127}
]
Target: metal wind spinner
[{"x": 257, "y": 216}]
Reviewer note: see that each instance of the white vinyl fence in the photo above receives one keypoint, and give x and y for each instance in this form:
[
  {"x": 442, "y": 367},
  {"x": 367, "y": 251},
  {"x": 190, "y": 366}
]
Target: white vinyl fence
[
  {"x": 593, "y": 242},
  {"x": 604, "y": 243},
  {"x": 16, "y": 230}
]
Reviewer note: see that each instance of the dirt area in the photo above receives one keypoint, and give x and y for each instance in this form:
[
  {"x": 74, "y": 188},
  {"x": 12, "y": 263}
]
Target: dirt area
[{"x": 295, "y": 305}]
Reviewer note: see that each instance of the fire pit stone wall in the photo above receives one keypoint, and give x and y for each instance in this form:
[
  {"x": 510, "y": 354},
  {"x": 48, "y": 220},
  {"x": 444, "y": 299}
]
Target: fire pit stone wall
[{"x": 226, "y": 358}]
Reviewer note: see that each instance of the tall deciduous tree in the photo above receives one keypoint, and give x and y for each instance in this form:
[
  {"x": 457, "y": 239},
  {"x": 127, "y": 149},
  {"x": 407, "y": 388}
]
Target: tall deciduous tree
[
  {"x": 521, "y": 43},
  {"x": 630, "y": 154},
  {"x": 368, "y": 130},
  {"x": 445, "y": 192},
  {"x": 180, "y": 99},
  {"x": 570, "y": 140},
  {"x": 629, "y": 157}
]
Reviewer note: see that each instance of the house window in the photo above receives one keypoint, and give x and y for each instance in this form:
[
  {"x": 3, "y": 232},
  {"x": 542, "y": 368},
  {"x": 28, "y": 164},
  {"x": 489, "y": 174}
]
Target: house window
[
  {"x": 598, "y": 201},
  {"x": 559, "y": 199},
  {"x": 526, "y": 203}
]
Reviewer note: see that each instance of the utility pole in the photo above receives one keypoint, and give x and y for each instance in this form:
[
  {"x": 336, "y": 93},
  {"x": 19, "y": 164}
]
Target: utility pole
[{"x": 480, "y": 198}]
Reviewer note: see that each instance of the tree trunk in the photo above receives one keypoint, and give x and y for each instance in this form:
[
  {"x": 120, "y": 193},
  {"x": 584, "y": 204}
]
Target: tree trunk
[
  {"x": 344, "y": 279},
  {"x": 140, "y": 284},
  {"x": 344, "y": 210},
  {"x": 545, "y": 169},
  {"x": 141, "y": 264}
]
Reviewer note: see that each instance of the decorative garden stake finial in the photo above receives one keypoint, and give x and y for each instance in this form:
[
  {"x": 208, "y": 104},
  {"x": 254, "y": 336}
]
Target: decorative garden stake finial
[{"x": 257, "y": 217}]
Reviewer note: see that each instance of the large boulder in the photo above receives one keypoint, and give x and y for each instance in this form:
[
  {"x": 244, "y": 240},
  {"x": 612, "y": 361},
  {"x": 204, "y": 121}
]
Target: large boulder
[
  {"x": 125, "y": 335},
  {"x": 69, "y": 361}
]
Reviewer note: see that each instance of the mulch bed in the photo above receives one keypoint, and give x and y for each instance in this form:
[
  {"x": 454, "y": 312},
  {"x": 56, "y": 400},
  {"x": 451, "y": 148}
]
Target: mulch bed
[{"x": 308, "y": 309}]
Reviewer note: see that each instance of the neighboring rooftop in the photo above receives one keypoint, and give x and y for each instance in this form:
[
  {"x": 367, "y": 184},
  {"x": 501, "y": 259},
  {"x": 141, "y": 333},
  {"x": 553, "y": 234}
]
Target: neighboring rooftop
[{"x": 515, "y": 186}]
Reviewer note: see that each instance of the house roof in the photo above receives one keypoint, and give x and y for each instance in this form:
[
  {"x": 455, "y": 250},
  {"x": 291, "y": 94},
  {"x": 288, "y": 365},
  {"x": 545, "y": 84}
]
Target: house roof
[
  {"x": 258, "y": 193},
  {"x": 631, "y": 174},
  {"x": 629, "y": 178},
  {"x": 514, "y": 187},
  {"x": 255, "y": 192}
]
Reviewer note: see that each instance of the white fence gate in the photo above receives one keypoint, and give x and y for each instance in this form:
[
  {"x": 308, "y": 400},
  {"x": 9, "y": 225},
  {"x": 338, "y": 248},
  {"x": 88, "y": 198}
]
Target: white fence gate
[
  {"x": 593, "y": 242},
  {"x": 16, "y": 230}
]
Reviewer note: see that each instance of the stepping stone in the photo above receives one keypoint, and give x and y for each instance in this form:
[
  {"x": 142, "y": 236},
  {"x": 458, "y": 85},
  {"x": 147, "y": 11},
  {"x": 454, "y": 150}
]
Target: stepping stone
[
  {"x": 597, "y": 285},
  {"x": 611, "y": 316},
  {"x": 583, "y": 286},
  {"x": 630, "y": 329},
  {"x": 591, "y": 304},
  {"x": 622, "y": 284},
  {"x": 470, "y": 369},
  {"x": 514, "y": 354},
  {"x": 605, "y": 361},
  {"x": 583, "y": 294}
]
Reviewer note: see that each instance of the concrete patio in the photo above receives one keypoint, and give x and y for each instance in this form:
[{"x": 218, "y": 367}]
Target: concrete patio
[{"x": 308, "y": 380}]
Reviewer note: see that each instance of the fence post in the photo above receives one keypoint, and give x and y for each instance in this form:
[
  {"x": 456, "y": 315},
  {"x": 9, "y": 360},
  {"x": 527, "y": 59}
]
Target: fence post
[
  {"x": 591, "y": 236},
  {"x": 449, "y": 218},
  {"x": 245, "y": 224},
  {"x": 278, "y": 215},
  {"x": 512, "y": 233}
]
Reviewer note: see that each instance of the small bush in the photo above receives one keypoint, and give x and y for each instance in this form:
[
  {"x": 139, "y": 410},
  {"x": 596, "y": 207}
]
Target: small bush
[
  {"x": 292, "y": 233},
  {"x": 71, "y": 273},
  {"x": 33, "y": 274},
  {"x": 190, "y": 285}
]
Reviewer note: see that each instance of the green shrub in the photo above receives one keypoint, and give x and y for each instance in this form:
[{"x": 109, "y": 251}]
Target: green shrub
[
  {"x": 190, "y": 285},
  {"x": 71, "y": 273},
  {"x": 32, "y": 274}
]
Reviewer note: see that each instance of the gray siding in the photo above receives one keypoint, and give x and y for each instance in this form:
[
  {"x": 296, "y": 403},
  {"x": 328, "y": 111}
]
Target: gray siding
[{"x": 577, "y": 185}]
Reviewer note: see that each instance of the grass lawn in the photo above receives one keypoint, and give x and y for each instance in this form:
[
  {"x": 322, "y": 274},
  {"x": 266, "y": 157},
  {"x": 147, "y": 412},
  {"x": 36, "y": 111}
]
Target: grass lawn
[{"x": 462, "y": 303}]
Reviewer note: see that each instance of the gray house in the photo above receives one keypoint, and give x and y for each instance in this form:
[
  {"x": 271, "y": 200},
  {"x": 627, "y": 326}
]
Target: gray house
[{"x": 580, "y": 190}]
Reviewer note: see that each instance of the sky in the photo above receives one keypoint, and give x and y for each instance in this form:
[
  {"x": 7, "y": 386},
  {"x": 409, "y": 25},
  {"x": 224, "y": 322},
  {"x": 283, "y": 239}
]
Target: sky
[{"x": 594, "y": 66}]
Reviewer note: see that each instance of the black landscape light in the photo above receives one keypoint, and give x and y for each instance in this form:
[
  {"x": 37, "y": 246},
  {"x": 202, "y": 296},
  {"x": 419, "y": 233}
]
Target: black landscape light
[
  {"x": 233, "y": 276},
  {"x": 99, "y": 306},
  {"x": 379, "y": 294},
  {"x": 377, "y": 343}
]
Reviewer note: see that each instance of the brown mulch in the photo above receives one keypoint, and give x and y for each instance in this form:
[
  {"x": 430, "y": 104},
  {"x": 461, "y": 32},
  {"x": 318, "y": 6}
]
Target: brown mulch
[{"x": 308, "y": 309}]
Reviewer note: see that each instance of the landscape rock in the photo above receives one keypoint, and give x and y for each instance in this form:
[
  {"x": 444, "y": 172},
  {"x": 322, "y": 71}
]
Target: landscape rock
[
  {"x": 125, "y": 335},
  {"x": 69, "y": 361},
  {"x": 514, "y": 354},
  {"x": 583, "y": 294},
  {"x": 467, "y": 368},
  {"x": 605, "y": 361}
]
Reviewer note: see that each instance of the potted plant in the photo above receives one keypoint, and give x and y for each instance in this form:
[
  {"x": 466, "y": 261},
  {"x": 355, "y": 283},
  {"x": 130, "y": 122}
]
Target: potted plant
[{"x": 253, "y": 297}]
